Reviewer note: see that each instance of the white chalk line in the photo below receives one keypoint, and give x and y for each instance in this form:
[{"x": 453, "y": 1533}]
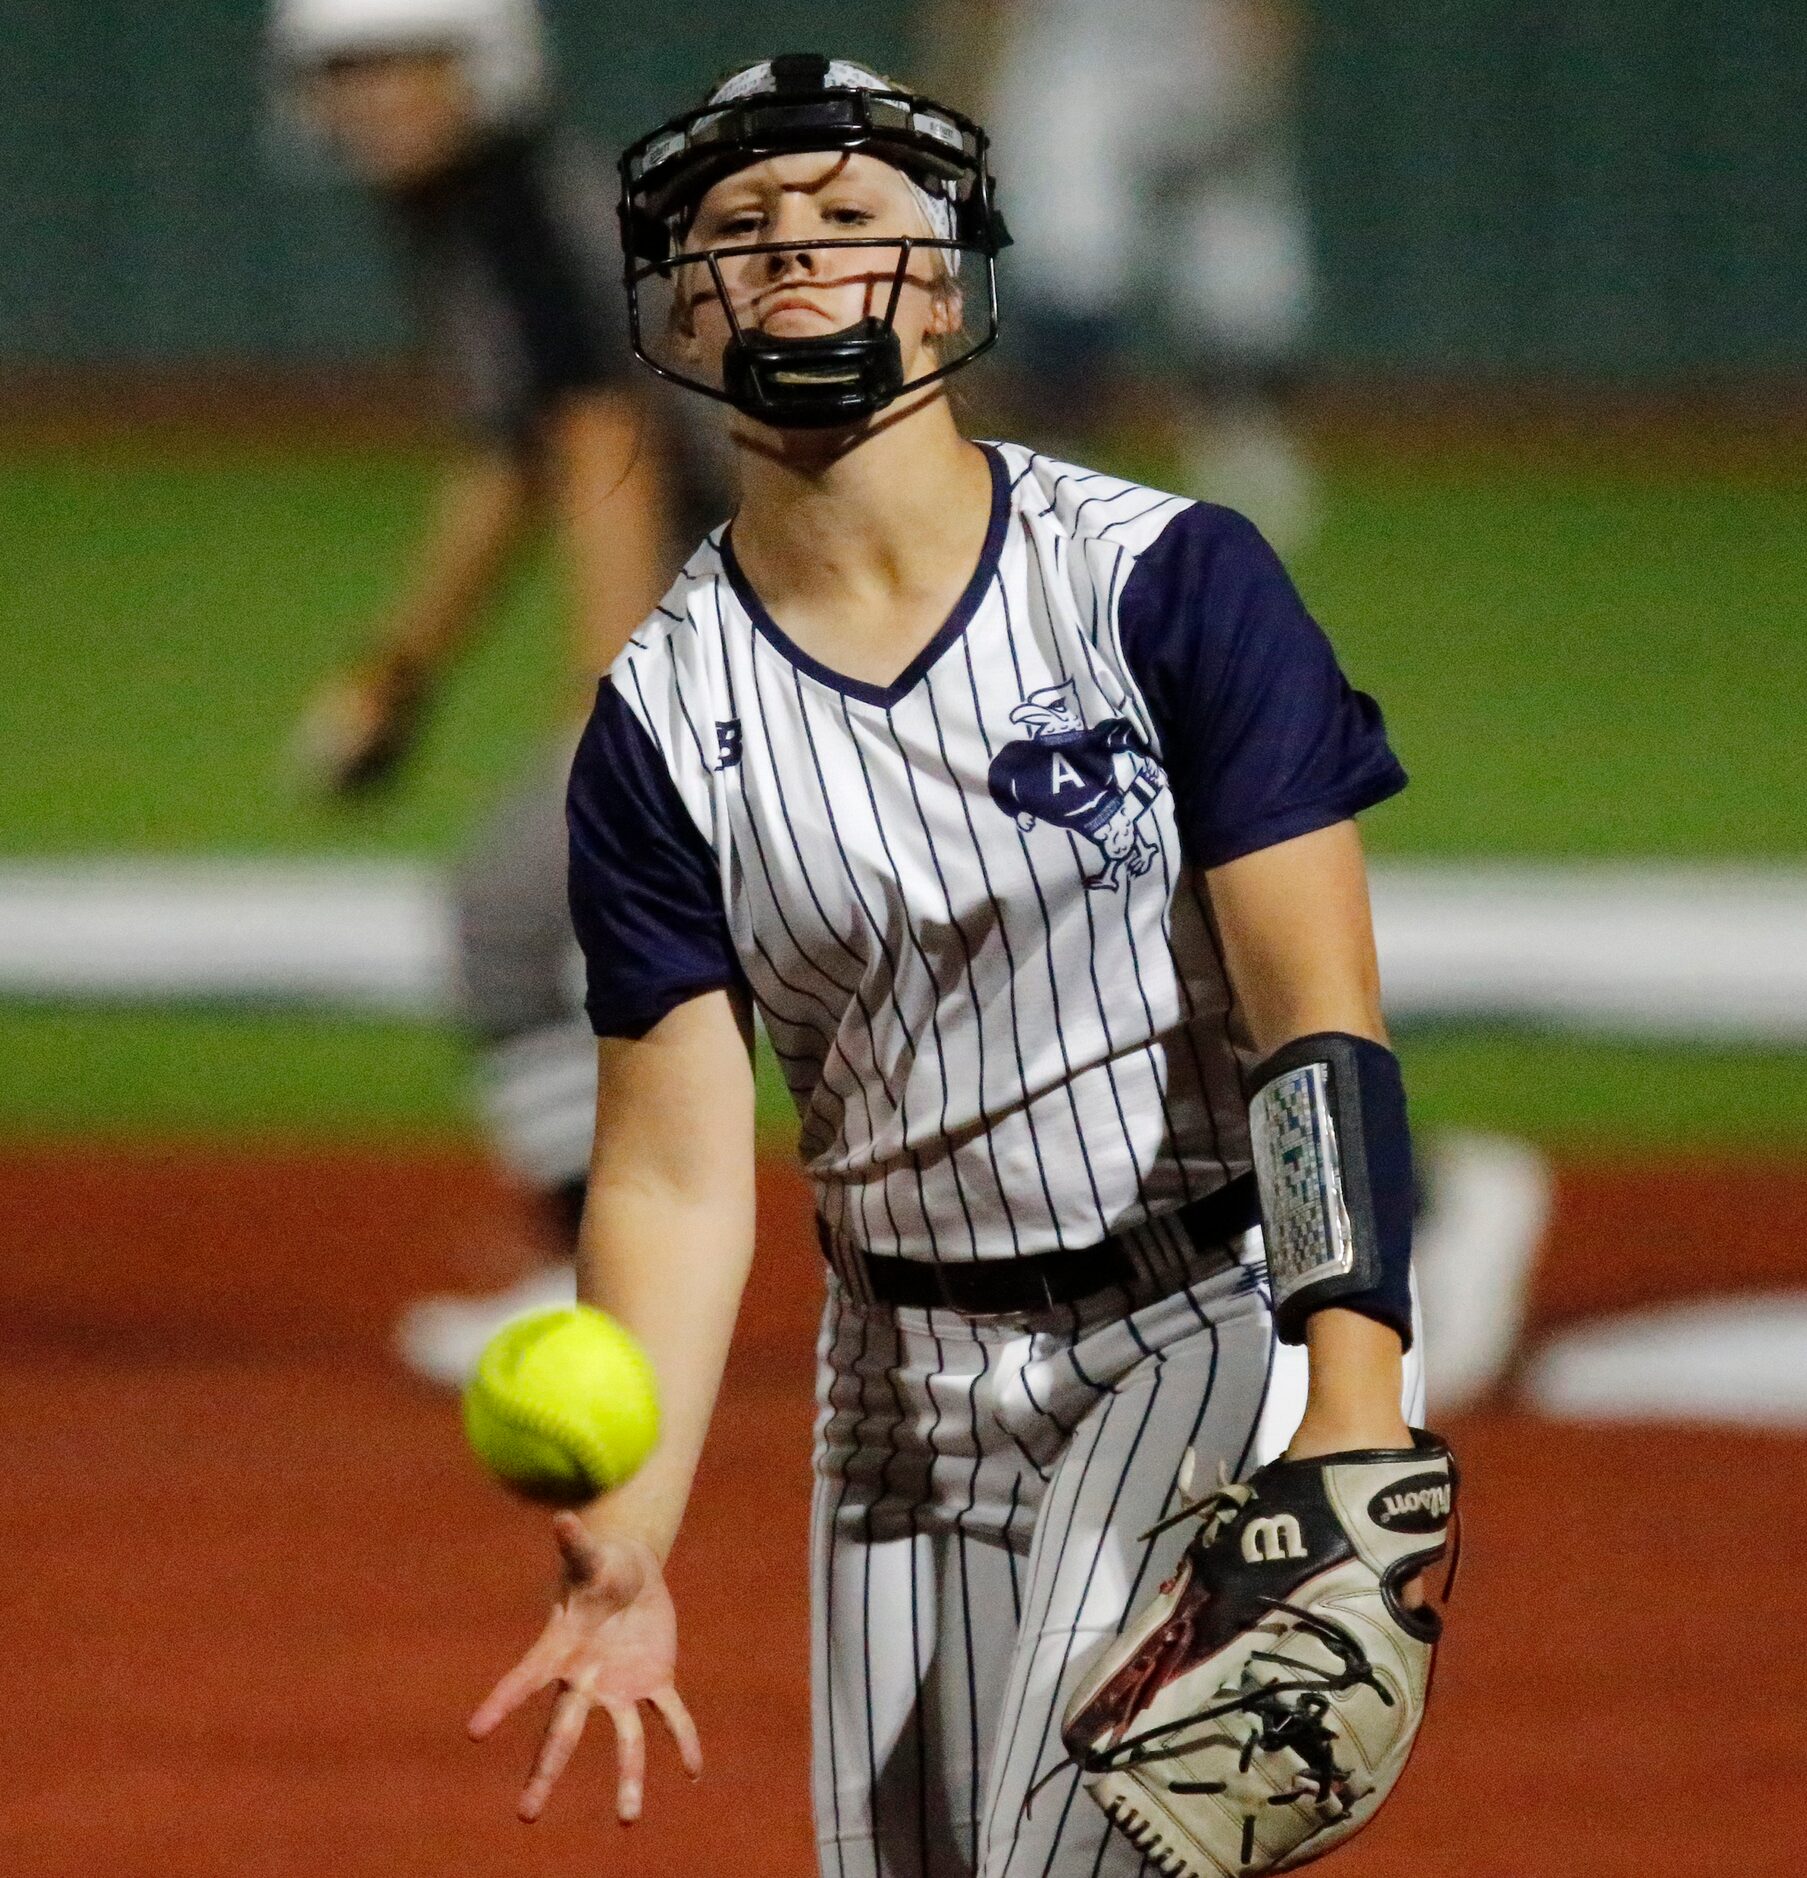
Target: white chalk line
[
  {"x": 1716, "y": 954},
  {"x": 1733, "y": 1361}
]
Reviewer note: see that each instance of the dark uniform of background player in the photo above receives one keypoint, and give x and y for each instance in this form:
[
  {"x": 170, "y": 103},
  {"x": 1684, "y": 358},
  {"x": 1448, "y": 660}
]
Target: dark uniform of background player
[{"x": 503, "y": 225}]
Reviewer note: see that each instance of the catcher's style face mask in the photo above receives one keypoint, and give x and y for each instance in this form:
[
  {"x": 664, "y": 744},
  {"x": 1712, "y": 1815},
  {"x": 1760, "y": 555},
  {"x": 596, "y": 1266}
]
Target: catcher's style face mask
[{"x": 682, "y": 270}]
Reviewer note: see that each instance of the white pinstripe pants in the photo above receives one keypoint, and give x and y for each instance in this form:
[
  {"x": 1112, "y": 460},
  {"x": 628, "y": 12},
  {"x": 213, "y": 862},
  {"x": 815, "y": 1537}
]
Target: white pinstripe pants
[{"x": 980, "y": 1492}]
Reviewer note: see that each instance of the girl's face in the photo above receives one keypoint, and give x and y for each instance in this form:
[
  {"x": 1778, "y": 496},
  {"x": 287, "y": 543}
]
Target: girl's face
[
  {"x": 396, "y": 118},
  {"x": 799, "y": 293}
]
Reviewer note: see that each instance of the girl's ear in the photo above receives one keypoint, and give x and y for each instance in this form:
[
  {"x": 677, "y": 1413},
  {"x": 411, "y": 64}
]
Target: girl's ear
[{"x": 947, "y": 308}]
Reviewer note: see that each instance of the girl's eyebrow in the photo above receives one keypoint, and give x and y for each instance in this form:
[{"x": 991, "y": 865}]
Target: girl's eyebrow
[{"x": 745, "y": 186}]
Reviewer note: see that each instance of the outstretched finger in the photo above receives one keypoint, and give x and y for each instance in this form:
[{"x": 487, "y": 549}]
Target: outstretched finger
[
  {"x": 630, "y": 1760},
  {"x": 528, "y": 1677},
  {"x": 682, "y": 1730},
  {"x": 563, "y": 1732},
  {"x": 576, "y": 1547}
]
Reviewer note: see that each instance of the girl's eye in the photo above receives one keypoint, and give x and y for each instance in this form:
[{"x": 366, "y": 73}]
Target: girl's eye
[
  {"x": 745, "y": 223},
  {"x": 849, "y": 215}
]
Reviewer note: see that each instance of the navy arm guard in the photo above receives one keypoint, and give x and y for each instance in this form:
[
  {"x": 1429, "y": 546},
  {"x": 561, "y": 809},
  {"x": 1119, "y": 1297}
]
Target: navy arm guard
[{"x": 1333, "y": 1160}]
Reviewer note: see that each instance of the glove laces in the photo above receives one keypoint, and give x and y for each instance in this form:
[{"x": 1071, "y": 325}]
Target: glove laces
[
  {"x": 1215, "y": 1508},
  {"x": 1290, "y": 1711}
]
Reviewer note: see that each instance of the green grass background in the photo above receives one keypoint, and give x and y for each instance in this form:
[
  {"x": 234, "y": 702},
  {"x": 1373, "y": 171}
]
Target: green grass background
[{"x": 1578, "y": 658}]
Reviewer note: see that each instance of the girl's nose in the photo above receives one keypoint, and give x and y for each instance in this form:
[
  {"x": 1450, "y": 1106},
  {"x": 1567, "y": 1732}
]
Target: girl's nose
[
  {"x": 782, "y": 260},
  {"x": 794, "y": 221}
]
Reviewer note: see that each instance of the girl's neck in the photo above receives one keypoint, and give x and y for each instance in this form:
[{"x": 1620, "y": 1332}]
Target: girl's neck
[{"x": 822, "y": 520}]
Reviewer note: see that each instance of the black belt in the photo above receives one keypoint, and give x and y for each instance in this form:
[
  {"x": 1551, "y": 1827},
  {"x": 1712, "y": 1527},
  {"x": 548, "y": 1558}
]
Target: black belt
[{"x": 1012, "y": 1287}]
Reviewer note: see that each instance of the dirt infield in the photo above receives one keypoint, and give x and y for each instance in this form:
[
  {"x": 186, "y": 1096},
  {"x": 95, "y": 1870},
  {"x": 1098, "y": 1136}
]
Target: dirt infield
[{"x": 254, "y": 1584}]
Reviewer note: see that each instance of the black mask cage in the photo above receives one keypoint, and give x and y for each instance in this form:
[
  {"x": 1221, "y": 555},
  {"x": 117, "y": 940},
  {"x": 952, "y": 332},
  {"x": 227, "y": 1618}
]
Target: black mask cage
[{"x": 837, "y": 378}]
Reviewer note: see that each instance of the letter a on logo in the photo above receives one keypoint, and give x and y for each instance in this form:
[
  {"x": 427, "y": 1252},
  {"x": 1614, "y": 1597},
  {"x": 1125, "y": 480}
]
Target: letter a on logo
[
  {"x": 1264, "y": 1540},
  {"x": 1062, "y": 774}
]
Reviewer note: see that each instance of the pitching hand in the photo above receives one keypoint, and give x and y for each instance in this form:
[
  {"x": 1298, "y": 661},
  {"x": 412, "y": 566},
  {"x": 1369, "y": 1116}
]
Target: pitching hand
[{"x": 610, "y": 1643}]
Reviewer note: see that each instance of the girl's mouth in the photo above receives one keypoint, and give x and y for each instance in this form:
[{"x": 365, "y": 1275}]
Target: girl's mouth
[{"x": 793, "y": 303}]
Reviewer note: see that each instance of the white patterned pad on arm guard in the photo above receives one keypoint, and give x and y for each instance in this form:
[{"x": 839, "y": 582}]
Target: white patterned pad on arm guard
[
  {"x": 1262, "y": 1707},
  {"x": 1299, "y": 1169}
]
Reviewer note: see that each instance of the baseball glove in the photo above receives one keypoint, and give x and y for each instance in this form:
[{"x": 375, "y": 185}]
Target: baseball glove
[{"x": 1262, "y": 1707}]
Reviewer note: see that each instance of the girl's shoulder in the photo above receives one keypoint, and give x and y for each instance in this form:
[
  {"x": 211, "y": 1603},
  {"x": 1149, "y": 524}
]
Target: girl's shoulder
[
  {"x": 669, "y": 676},
  {"x": 688, "y": 611},
  {"x": 1086, "y": 504}
]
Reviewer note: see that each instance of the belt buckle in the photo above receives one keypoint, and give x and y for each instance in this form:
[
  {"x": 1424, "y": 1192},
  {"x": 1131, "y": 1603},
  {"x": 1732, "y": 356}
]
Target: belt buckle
[{"x": 1011, "y": 1314}]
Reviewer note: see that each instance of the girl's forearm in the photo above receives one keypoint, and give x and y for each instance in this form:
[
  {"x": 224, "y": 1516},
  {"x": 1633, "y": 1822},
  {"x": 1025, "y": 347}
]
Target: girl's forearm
[
  {"x": 672, "y": 1270},
  {"x": 480, "y": 515},
  {"x": 1356, "y": 1381}
]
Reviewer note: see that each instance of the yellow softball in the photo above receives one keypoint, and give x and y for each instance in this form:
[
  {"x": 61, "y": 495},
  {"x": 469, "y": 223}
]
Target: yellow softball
[{"x": 563, "y": 1406}]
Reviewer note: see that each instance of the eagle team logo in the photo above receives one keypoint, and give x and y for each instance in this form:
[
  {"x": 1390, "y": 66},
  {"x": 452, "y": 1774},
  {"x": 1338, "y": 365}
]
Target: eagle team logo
[{"x": 1097, "y": 782}]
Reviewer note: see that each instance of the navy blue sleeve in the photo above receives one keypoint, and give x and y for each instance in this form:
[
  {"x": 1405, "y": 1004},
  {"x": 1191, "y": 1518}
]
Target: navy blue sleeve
[
  {"x": 1261, "y": 735},
  {"x": 645, "y": 895}
]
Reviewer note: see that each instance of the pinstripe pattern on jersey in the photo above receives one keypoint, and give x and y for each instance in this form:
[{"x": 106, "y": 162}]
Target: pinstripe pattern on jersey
[
  {"x": 979, "y": 1491},
  {"x": 989, "y": 1057}
]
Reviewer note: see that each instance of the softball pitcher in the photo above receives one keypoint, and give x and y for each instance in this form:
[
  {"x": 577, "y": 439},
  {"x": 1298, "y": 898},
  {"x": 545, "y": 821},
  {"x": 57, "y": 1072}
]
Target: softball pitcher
[{"x": 1018, "y": 801}]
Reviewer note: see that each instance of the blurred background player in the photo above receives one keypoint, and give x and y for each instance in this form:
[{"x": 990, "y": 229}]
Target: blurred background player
[
  {"x": 1163, "y": 265},
  {"x": 1162, "y": 258},
  {"x": 503, "y": 225}
]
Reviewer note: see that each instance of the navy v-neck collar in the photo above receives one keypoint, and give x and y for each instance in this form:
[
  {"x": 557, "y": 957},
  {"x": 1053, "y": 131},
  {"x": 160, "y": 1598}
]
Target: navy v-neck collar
[{"x": 949, "y": 631}]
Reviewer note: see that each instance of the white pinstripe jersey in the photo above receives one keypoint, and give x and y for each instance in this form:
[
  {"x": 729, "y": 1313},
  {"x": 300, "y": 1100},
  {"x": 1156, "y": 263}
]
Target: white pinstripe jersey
[{"x": 966, "y": 903}]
